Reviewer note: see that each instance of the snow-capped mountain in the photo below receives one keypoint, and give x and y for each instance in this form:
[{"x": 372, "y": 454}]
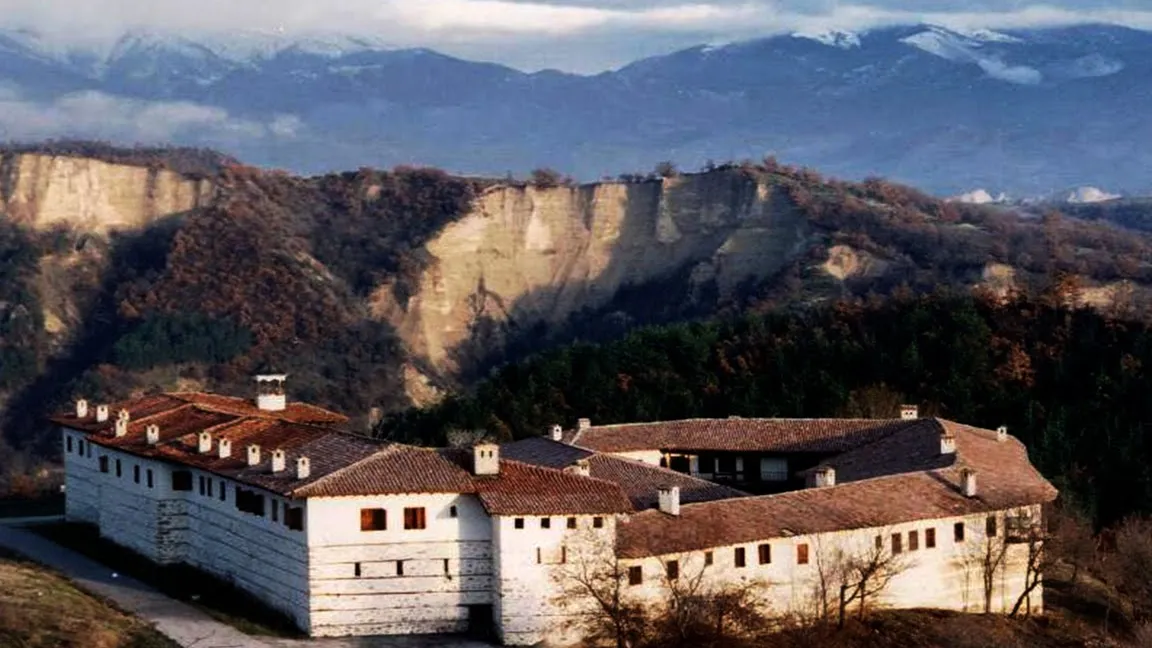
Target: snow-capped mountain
[{"x": 1029, "y": 112}]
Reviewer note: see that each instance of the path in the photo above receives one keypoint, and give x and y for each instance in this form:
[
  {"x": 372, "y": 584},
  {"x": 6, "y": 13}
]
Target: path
[{"x": 185, "y": 624}]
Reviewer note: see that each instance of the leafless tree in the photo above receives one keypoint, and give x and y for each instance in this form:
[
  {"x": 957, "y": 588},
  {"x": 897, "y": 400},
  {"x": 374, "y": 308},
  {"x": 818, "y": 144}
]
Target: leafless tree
[
  {"x": 853, "y": 569},
  {"x": 986, "y": 558},
  {"x": 700, "y": 612},
  {"x": 593, "y": 587}
]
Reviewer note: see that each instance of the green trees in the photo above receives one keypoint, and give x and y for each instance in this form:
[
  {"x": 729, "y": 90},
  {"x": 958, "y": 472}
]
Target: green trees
[{"x": 182, "y": 337}]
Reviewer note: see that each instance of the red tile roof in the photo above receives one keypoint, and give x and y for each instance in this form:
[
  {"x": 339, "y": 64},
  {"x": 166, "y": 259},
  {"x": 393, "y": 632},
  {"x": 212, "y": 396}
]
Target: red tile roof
[{"x": 738, "y": 434}]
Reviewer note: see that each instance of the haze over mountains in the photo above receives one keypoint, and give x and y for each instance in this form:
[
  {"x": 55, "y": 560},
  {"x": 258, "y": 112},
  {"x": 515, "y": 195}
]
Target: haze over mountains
[{"x": 1027, "y": 112}]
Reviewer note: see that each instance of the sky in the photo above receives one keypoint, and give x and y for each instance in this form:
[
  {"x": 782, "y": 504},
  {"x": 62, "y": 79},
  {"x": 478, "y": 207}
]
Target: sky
[{"x": 573, "y": 35}]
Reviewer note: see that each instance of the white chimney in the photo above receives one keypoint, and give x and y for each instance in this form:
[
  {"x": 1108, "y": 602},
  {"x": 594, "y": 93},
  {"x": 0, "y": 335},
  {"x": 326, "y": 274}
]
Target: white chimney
[
  {"x": 968, "y": 478},
  {"x": 486, "y": 459},
  {"x": 1002, "y": 433},
  {"x": 583, "y": 424},
  {"x": 909, "y": 412},
  {"x": 101, "y": 413},
  {"x": 824, "y": 477},
  {"x": 122, "y": 423},
  {"x": 270, "y": 392},
  {"x": 669, "y": 499},
  {"x": 224, "y": 446},
  {"x": 204, "y": 445},
  {"x": 81, "y": 408},
  {"x": 303, "y": 468},
  {"x": 557, "y": 433},
  {"x": 947, "y": 443},
  {"x": 279, "y": 460},
  {"x": 253, "y": 455},
  {"x": 152, "y": 434}
]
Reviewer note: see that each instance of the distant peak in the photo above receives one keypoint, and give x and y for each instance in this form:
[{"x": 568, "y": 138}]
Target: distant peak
[{"x": 832, "y": 38}]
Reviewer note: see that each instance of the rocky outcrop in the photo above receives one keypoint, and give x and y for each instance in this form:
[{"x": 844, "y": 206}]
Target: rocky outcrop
[
  {"x": 46, "y": 191},
  {"x": 528, "y": 255}
]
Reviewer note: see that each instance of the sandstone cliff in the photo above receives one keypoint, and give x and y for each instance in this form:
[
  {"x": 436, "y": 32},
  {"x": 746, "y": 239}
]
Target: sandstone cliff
[
  {"x": 528, "y": 255},
  {"x": 45, "y": 191}
]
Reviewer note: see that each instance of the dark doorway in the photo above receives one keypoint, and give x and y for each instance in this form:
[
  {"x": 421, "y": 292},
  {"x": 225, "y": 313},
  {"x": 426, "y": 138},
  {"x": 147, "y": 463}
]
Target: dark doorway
[{"x": 481, "y": 624}]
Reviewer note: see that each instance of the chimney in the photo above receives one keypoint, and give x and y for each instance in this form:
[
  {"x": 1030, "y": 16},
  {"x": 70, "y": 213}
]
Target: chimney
[
  {"x": 968, "y": 479},
  {"x": 152, "y": 434},
  {"x": 909, "y": 412},
  {"x": 270, "y": 392},
  {"x": 279, "y": 460},
  {"x": 1002, "y": 433},
  {"x": 581, "y": 467},
  {"x": 823, "y": 477},
  {"x": 253, "y": 455},
  {"x": 122, "y": 423},
  {"x": 669, "y": 499},
  {"x": 101, "y": 413},
  {"x": 583, "y": 424},
  {"x": 947, "y": 443},
  {"x": 486, "y": 459},
  {"x": 204, "y": 446},
  {"x": 557, "y": 433},
  {"x": 303, "y": 468},
  {"x": 224, "y": 446},
  {"x": 81, "y": 409}
]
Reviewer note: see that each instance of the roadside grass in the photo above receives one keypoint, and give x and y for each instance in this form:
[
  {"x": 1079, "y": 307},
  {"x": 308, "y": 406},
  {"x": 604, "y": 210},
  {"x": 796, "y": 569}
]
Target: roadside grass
[
  {"x": 41, "y": 609},
  {"x": 217, "y": 598}
]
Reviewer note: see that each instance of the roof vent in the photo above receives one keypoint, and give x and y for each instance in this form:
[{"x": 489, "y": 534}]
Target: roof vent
[
  {"x": 909, "y": 412},
  {"x": 279, "y": 461},
  {"x": 122, "y": 423},
  {"x": 486, "y": 459},
  {"x": 224, "y": 447},
  {"x": 101, "y": 413},
  {"x": 947, "y": 443},
  {"x": 253, "y": 455},
  {"x": 583, "y": 424},
  {"x": 270, "y": 392},
  {"x": 303, "y": 468},
  {"x": 823, "y": 477},
  {"x": 557, "y": 433},
  {"x": 204, "y": 445},
  {"x": 81, "y": 409},
  {"x": 668, "y": 498},
  {"x": 968, "y": 481},
  {"x": 1002, "y": 433},
  {"x": 152, "y": 434}
]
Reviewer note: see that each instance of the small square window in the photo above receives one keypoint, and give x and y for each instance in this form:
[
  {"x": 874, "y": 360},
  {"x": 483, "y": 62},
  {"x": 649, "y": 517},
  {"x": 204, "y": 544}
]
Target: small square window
[
  {"x": 929, "y": 538},
  {"x": 958, "y": 532},
  {"x": 414, "y": 518},
  {"x": 598, "y": 523},
  {"x": 452, "y": 512},
  {"x": 802, "y": 554},
  {"x": 294, "y": 518},
  {"x": 913, "y": 540},
  {"x": 765, "y": 551},
  {"x": 571, "y": 523},
  {"x": 518, "y": 523},
  {"x": 182, "y": 481},
  {"x": 990, "y": 526},
  {"x": 739, "y": 557},
  {"x": 545, "y": 523},
  {"x": 707, "y": 558},
  {"x": 673, "y": 569},
  {"x": 374, "y": 519},
  {"x": 635, "y": 575}
]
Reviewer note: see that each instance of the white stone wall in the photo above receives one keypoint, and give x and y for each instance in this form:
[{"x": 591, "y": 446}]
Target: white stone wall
[
  {"x": 647, "y": 456},
  {"x": 532, "y": 564},
  {"x": 446, "y": 567},
  {"x": 81, "y": 484}
]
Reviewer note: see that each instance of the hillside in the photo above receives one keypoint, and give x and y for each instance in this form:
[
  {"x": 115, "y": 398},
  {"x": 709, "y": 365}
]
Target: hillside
[
  {"x": 387, "y": 289},
  {"x": 1026, "y": 111}
]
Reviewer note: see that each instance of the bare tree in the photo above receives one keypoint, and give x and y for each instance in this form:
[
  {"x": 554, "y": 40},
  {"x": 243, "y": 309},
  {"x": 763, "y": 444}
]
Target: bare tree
[
  {"x": 698, "y": 611},
  {"x": 987, "y": 559},
  {"x": 853, "y": 569},
  {"x": 593, "y": 584}
]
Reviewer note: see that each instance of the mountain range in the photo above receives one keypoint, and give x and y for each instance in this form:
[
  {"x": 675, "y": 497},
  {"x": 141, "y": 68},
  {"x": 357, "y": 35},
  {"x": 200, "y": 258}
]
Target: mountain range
[{"x": 1027, "y": 112}]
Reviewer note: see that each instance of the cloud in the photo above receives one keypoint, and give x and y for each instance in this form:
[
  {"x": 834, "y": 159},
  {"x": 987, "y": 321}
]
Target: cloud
[
  {"x": 526, "y": 32},
  {"x": 97, "y": 115}
]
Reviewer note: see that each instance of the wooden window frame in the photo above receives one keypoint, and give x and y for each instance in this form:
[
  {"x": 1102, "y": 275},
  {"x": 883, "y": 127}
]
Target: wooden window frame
[
  {"x": 571, "y": 523},
  {"x": 930, "y": 538},
  {"x": 764, "y": 554},
  {"x": 802, "y": 553},
  {"x": 897, "y": 543},
  {"x": 373, "y": 519},
  {"x": 415, "y": 518},
  {"x": 991, "y": 526},
  {"x": 913, "y": 540},
  {"x": 958, "y": 532},
  {"x": 672, "y": 569},
  {"x": 740, "y": 557},
  {"x": 635, "y": 575}
]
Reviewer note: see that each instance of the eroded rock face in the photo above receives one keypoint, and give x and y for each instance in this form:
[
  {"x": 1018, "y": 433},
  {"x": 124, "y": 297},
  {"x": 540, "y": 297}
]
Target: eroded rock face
[
  {"x": 45, "y": 191},
  {"x": 527, "y": 255}
]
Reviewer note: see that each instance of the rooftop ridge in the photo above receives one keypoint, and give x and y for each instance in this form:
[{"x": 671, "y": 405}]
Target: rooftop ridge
[{"x": 385, "y": 448}]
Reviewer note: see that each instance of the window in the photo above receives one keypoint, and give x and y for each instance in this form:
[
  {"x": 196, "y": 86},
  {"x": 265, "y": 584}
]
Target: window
[
  {"x": 598, "y": 523},
  {"x": 913, "y": 540},
  {"x": 223, "y": 491},
  {"x": 136, "y": 473},
  {"x": 209, "y": 487},
  {"x": 445, "y": 565},
  {"x": 635, "y": 575},
  {"x": 802, "y": 554},
  {"x": 249, "y": 501},
  {"x": 765, "y": 553},
  {"x": 897, "y": 543},
  {"x": 275, "y": 510},
  {"x": 929, "y": 538},
  {"x": 518, "y": 523},
  {"x": 374, "y": 519},
  {"x": 545, "y": 523},
  {"x": 773, "y": 470},
  {"x": 571, "y": 523},
  {"x": 103, "y": 464},
  {"x": 879, "y": 542},
  {"x": 672, "y": 568},
  {"x": 119, "y": 471},
  {"x": 739, "y": 557},
  {"x": 563, "y": 555},
  {"x": 414, "y": 518},
  {"x": 69, "y": 440},
  {"x": 181, "y": 480},
  {"x": 356, "y": 570},
  {"x": 399, "y": 567},
  {"x": 707, "y": 558},
  {"x": 149, "y": 475},
  {"x": 990, "y": 526},
  {"x": 539, "y": 556},
  {"x": 294, "y": 518},
  {"x": 200, "y": 481},
  {"x": 958, "y": 532},
  {"x": 452, "y": 511}
]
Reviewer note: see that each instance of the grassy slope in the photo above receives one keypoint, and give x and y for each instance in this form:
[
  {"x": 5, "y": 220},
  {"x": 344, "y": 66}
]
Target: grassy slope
[{"x": 40, "y": 609}]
